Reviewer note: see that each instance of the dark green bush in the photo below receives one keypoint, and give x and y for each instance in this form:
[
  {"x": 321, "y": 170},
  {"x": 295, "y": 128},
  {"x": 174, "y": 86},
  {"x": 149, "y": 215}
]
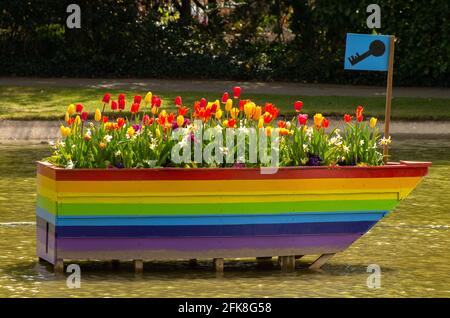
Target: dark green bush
[{"x": 256, "y": 40}]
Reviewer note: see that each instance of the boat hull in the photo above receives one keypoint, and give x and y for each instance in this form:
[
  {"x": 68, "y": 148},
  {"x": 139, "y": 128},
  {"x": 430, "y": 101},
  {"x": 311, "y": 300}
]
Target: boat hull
[{"x": 174, "y": 213}]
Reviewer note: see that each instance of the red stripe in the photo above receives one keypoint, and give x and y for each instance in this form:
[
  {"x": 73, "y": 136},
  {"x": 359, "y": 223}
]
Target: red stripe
[{"x": 415, "y": 169}]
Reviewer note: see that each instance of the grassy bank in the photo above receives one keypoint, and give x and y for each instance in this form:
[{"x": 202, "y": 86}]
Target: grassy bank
[{"x": 28, "y": 103}]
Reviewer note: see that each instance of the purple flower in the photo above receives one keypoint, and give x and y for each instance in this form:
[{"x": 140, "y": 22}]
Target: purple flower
[
  {"x": 137, "y": 128},
  {"x": 314, "y": 160}
]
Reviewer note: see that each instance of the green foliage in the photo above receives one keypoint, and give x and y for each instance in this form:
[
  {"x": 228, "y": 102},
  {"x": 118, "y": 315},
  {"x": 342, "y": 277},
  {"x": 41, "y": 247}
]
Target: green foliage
[{"x": 251, "y": 39}]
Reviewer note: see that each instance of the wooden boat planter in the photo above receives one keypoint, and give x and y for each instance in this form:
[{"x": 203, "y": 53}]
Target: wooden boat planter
[{"x": 175, "y": 213}]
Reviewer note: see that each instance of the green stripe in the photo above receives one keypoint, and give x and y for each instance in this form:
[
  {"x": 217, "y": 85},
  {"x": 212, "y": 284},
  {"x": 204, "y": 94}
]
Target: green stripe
[
  {"x": 46, "y": 204},
  {"x": 225, "y": 208}
]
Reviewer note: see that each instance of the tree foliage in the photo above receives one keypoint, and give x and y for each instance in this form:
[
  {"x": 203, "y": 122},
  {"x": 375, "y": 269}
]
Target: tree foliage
[{"x": 238, "y": 39}]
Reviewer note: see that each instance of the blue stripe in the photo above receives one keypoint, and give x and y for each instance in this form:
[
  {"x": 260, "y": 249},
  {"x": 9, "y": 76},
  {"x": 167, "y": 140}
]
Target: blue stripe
[
  {"x": 215, "y": 230},
  {"x": 43, "y": 214},
  {"x": 219, "y": 219}
]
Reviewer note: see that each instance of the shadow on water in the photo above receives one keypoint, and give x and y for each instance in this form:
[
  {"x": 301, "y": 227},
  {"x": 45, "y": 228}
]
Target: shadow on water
[{"x": 168, "y": 270}]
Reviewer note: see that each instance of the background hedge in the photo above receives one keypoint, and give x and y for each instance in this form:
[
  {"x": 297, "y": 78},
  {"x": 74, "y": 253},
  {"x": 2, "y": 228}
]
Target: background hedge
[{"x": 265, "y": 40}]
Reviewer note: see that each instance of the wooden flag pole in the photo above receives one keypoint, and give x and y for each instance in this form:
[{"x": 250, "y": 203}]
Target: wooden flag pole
[{"x": 387, "y": 116}]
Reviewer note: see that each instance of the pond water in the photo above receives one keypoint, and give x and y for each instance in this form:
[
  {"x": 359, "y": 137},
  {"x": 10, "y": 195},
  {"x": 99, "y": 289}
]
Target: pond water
[{"x": 411, "y": 246}]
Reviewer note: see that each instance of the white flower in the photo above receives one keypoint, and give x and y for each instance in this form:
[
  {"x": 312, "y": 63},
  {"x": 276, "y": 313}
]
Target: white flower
[
  {"x": 69, "y": 165},
  {"x": 223, "y": 150},
  {"x": 107, "y": 138},
  {"x": 305, "y": 148},
  {"x": 385, "y": 141},
  {"x": 346, "y": 149},
  {"x": 117, "y": 153},
  {"x": 361, "y": 142},
  {"x": 73, "y": 146}
]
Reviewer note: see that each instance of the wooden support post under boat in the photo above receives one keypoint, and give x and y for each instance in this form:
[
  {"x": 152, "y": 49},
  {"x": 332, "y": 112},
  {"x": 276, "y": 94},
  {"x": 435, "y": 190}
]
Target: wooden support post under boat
[
  {"x": 318, "y": 263},
  {"x": 138, "y": 266},
  {"x": 287, "y": 263},
  {"x": 218, "y": 265},
  {"x": 59, "y": 266},
  {"x": 193, "y": 262},
  {"x": 262, "y": 260},
  {"x": 115, "y": 263}
]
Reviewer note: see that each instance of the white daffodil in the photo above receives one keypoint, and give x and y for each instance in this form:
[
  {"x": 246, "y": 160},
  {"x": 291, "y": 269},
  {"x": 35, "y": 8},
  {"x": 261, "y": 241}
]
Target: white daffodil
[
  {"x": 108, "y": 138},
  {"x": 385, "y": 141},
  {"x": 69, "y": 165}
]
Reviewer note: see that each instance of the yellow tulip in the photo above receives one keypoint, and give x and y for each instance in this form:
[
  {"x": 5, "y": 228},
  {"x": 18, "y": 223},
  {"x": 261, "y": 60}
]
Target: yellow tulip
[
  {"x": 229, "y": 105},
  {"x": 65, "y": 131},
  {"x": 180, "y": 121},
  {"x": 130, "y": 131},
  {"x": 257, "y": 113},
  {"x": 318, "y": 119},
  {"x": 77, "y": 120},
  {"x": 98, "y": 115},
  {"x": 234, "y": 112},
  {"x": 67, "y": 117},
  {"x": 158, "y": 132},
  {"x": 373, "y": 122},
  {"x": 154, "y": 110},
  {"x": 268, "y": 131},
  {"x": 219, "y": 114},
  {"x": 225, "y": 123},
  {"x": 71, "y": 109},
  {"x": 261, "y": 122},
  {"x": 148, "y": 98},
  {"x": 249, "y": 109},
  {"x": 102, "y": 145}
]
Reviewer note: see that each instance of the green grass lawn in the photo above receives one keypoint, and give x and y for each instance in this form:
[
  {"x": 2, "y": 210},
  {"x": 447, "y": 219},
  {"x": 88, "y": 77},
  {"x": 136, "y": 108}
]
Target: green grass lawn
[{"x": 50, "y": 103}]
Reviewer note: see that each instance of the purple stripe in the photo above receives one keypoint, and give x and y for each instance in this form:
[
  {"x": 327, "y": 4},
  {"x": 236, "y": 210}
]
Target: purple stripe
[
  {"x": 215, "y": 230},
  {"x": 205, "y": 243}
]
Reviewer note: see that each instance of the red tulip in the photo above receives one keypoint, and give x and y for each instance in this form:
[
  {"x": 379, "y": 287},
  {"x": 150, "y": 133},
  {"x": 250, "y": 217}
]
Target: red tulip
[
  {"x": 360, "y": 118},
  {"x": 302, "y": 119},
  {"x": 137, "y": 99},
  {"x": 84, "y": 116},
  {"x": 359, "y": 111},
  {"x": 114, "y": 105},
  {"x": 347, "y": 118},
  {"x": 105, "y": 119},
  {"x": 178, "y": 101},
  {"x": 203, "y": 102},
  {"x": 134, "y": 108},
  {"x": 236, "y": 92},
  {"x": 224, "y": 97},
  {"x": 298, "y": 105},
  {"x": 120, "y": 122},
  {"x": 158, "y": 102},
  {"x": 281, "y": 124},
  {"x": 213, "y": 108},
  {"x": 106, "y": 98},
  {"x": 231, "y": 123},
  {"x": 242, "y": 103},
  {"x": 121, "y": 104},
  {"x": 79, "y": 108},
  {"x": 182, "y": 110},
  {"x": 147, "y": 121},
  {"x": 121, "y": 96},
  {"x": 325, "y": 123}
]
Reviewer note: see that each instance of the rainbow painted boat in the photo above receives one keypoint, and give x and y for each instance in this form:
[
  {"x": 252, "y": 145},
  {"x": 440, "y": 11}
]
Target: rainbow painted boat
[{"x": 176, "y": 213}]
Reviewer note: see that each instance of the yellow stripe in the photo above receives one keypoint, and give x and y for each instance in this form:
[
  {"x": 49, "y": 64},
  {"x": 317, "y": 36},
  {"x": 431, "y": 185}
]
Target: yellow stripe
[
  {"x": 232, "y": 199},
  {"x": 238, "y": 186}
]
